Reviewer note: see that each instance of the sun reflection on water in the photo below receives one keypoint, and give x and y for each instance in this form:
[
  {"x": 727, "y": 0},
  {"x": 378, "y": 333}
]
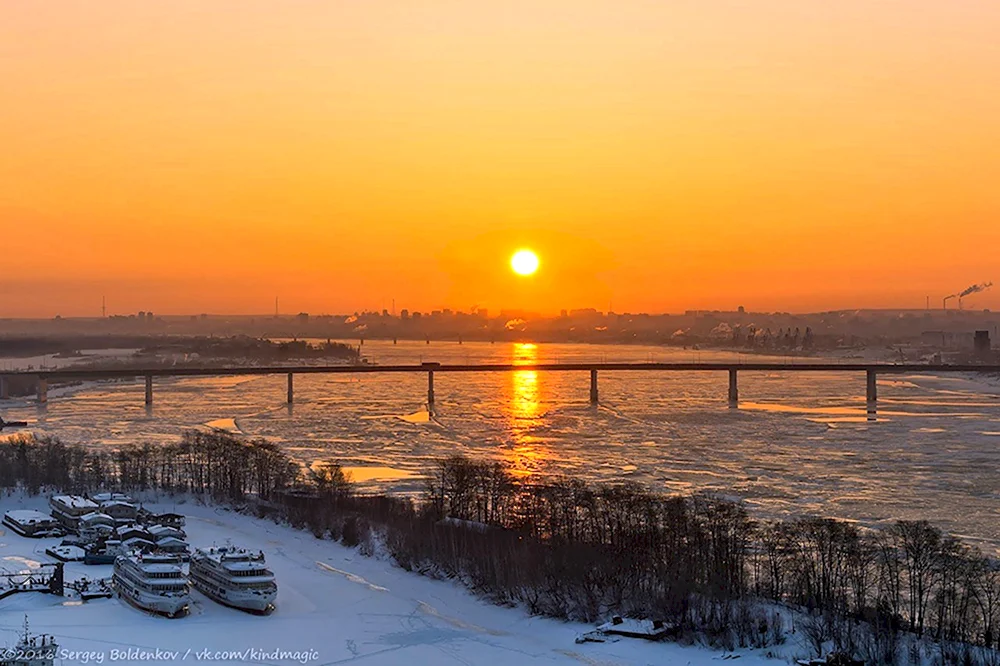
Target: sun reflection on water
[
  {"x": 525, "y": 400},
  {"x": 525, "y": 410}
]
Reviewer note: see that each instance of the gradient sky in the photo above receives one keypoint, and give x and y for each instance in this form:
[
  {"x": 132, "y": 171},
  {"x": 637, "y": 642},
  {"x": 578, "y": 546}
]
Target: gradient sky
[{"x": 207, "y": 156}]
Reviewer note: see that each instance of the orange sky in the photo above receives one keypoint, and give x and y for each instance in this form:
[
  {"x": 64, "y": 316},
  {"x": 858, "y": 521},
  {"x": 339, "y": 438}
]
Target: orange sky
[{"x": 195, "y": 155}]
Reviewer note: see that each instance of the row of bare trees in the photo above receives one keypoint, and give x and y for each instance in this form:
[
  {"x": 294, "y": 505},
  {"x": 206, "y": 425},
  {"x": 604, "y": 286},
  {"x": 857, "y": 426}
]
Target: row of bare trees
[
  {"x": 210, "y": 463},
  {"x": 622, "y": 548},
  {"x": 568, "y": 549}
]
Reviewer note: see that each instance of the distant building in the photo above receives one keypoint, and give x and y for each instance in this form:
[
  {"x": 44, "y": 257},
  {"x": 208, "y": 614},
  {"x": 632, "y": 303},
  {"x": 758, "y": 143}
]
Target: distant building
[
  {"x": 947, "y": 339},
  {"x": 981, "y": 343},
  {"x": 68, "y": 509},
  {"x": 122, "y": 512},
  {"x": 30, "y": 523},
  {"x": 404, "y": 314}
]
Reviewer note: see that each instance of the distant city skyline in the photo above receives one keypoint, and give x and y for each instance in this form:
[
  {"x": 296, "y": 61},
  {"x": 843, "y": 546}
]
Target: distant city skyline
[{"x": 104, "y": 311}]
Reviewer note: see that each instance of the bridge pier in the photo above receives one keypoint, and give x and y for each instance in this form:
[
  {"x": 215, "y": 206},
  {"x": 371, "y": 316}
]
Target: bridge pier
[
  {"x": 430, "y": 390},
  {"x": 291, "y": 389},
  {"x": 734, "y": 389},
  {"x": 872, "y": 392},
  {"x": 4, "y": 389},
  {"x": 149, "y": 389},
  {"x": 593, "y": 387},
  {"x": 43, "y": 390}
]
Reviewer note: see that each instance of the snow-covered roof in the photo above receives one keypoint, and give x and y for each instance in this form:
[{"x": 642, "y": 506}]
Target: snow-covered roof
[
  {"x": 163, "y": 529},
  {"x": 160, "y": 567},
  {"x": 633, "y": 627},
  {"x": 74, "y": 501},
  {"x": 95, "y": 517},
  {"x": 171, "y": 517},
  {"x": 108, "y": 497},
  {"x": 243, "y": 565},
  {"x": 153, "y": 563},
  {"x": 125, "y": 529},
  {"x": 113, "y": 503},
  {"x": 69, "y": 552},
  {"x": 231, "y": 555},
  {"x": 171, "y": 541},
  {"x": 28, "y": 516}
]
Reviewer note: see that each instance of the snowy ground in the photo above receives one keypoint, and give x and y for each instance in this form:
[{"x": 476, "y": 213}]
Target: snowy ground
[{"x": 334, "y": 606}]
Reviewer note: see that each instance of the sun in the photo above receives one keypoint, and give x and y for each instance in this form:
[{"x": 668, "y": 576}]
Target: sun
[{"x": 524, "y": 262}]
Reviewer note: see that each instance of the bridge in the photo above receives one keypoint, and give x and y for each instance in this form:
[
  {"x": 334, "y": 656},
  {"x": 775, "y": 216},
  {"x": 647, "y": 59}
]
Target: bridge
[{"x": 871, "y": 370}]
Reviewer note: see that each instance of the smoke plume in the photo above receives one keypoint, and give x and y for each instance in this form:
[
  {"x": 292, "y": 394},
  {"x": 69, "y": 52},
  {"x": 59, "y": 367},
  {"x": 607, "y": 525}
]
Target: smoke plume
[{"x": 975, "y": 289}]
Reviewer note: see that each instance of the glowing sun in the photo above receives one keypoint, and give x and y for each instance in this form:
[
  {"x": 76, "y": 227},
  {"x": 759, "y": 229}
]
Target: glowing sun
[{"x": 524, "y": 262}]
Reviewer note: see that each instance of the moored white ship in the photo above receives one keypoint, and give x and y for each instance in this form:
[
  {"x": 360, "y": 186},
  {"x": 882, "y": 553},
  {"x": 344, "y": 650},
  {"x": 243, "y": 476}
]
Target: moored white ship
[
  {"x": 235, "y": 577},
  {"x": 152, "y": 582},
  {"x": 31, "y": 650}
]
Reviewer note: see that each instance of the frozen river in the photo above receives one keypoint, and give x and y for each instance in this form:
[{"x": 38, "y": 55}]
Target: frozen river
[{"x": 800, "y": 443}]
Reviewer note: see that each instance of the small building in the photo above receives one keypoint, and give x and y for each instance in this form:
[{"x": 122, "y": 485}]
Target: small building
[
  {"x": 137, "y": 543},
  {"x": 66, "y": 553},
  {"x": 634, "y": 628},
  {"x": 93, "y": 533},
  {"x": 95, "y": 519},
  {"x": 30, "y": 523},
  {"x": 173, "y": 546},
  {"x": 68, "y": 509},
  {"x": 165, "y": 519},
  {"x": 126, "y": 532},
  {"x": 103, "y": 552},
  {"x": 123, "y": 512},
  {"x": 981, "y": 343},
  {"x": 162, "y": 531}
]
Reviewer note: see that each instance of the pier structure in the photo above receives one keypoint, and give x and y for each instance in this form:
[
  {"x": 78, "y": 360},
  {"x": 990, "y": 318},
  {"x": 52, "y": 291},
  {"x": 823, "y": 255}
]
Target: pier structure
[
  {"x": 430, "y": 383},
  {"x": 871, "y": 371}
]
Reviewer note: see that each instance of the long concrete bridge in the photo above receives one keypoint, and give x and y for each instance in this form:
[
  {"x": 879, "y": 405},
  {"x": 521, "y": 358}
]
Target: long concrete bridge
[{"x": 871, "y": 370}]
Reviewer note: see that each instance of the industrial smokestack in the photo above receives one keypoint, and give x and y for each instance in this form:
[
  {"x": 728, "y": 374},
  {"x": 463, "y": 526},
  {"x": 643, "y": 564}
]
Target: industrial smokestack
[{"x": 974, "y": 289}]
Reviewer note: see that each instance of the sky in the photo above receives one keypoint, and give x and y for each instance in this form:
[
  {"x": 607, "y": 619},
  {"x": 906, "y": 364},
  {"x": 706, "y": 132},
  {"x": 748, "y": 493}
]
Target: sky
[{"x": 209, "y": 156}]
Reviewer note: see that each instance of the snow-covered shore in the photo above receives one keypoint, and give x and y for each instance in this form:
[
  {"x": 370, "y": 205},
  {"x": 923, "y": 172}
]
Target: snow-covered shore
[{"x": 334, "y": 606}]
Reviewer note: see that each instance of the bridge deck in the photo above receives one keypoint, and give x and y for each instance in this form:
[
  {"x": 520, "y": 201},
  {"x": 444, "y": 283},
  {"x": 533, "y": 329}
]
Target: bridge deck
[{"x": 879, "y": 368}]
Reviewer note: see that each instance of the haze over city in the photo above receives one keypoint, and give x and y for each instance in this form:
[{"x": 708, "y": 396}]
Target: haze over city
[{"x": 206, "y": 157}]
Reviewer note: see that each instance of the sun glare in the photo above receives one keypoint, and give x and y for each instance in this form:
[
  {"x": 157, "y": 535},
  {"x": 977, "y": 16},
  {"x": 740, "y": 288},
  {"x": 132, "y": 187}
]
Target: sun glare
[{"x": 524, "y": 262}]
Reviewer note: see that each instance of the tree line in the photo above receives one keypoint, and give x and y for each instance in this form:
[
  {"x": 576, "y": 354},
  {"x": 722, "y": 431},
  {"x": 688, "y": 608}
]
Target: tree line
[
  {"x": 568, "y": 549},
  {"x": 214, "y": 464}
]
